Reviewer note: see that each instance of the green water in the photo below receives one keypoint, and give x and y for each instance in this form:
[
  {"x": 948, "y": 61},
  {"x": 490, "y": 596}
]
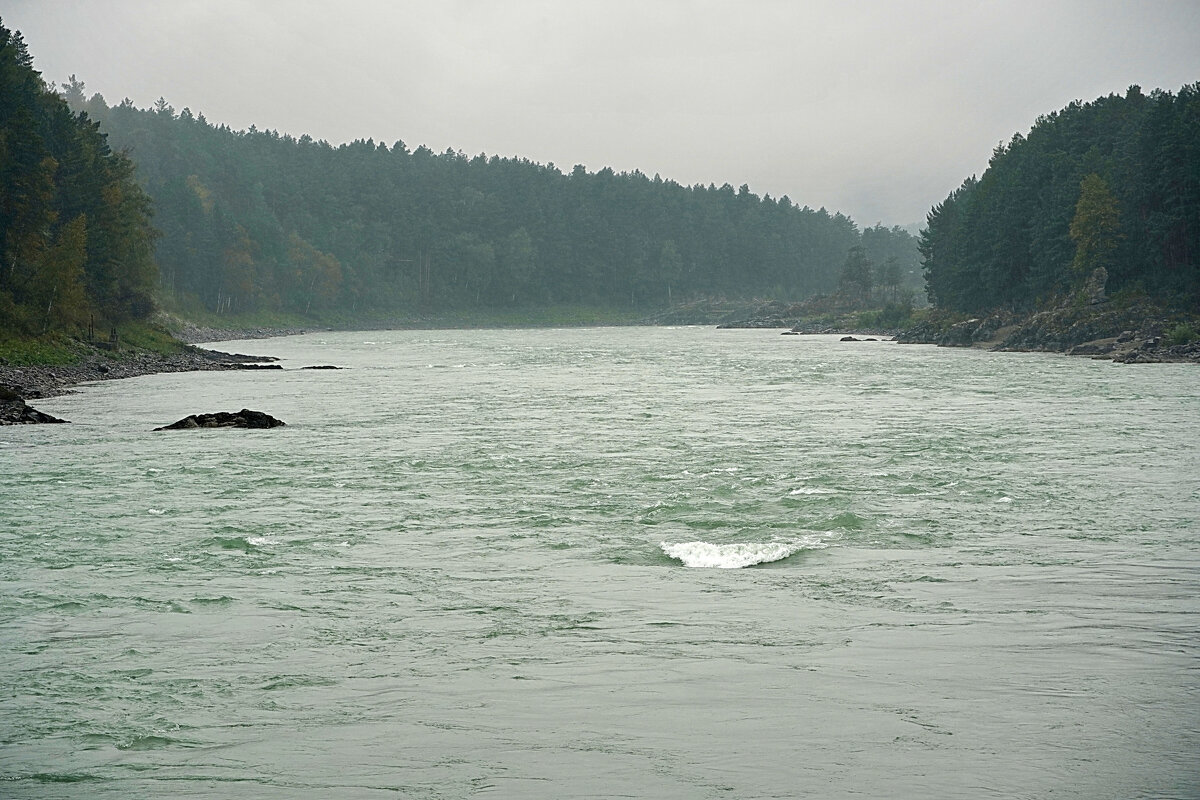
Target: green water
[{"x": 474, "y": 563}]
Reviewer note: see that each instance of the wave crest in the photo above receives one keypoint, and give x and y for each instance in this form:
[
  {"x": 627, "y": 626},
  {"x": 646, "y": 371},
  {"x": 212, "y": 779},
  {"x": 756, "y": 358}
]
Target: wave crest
[{"x": 737, "y": 554}]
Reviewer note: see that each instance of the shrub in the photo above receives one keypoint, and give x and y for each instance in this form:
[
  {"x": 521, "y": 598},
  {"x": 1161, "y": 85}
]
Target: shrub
[{"x": 1180, "y": 334}]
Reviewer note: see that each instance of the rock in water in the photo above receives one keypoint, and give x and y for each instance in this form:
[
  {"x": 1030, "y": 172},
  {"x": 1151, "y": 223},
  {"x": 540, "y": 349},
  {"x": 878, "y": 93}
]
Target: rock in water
[
  {"x": 15, "y": 412},
  {"x": 224, "y": 419}
]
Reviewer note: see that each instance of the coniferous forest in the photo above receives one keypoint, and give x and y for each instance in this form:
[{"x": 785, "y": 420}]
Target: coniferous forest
[
  {"x": 255, "y": 220},
  {"x": 1114, "y": 183},
  {"x": 107, "y": 211},
  {"x": 76, "y": 241}
]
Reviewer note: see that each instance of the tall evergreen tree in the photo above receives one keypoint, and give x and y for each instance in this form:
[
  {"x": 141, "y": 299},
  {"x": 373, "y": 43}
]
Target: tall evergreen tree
[{"x": 75, "y": 234}]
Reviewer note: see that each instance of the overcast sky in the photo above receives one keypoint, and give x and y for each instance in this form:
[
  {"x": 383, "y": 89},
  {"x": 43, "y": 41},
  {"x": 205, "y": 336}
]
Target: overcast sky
[{"x": 875, "y": 109}]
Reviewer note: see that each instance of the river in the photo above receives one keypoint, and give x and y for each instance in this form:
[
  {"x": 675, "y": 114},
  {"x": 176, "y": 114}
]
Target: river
[{"x": 595, "y": 563}]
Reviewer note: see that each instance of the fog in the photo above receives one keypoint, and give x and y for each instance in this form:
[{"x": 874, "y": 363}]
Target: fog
[{"x": 875, "y": 109}]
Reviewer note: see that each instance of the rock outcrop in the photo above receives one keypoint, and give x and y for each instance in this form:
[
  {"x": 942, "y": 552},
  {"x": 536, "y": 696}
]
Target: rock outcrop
[
  {"x": 14, "y": 411},
  {"x": 1132, "y": 333},
  {"x": 224, "y": 419},
  {"x": 1093, "y": 291}
]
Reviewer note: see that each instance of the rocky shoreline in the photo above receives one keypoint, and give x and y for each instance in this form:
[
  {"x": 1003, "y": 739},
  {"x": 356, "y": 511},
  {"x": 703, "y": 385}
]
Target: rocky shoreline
[
  {"x": 1128, "y": 334},
  {"x": 1086, "y": 323},
  {"x": 35, "y": 382},
  {"x": 198, "y": 334}
]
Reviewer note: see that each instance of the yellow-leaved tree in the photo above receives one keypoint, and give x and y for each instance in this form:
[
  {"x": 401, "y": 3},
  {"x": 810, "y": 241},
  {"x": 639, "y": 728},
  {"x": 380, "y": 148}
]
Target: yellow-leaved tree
[{"x": 1096, "y": 227}]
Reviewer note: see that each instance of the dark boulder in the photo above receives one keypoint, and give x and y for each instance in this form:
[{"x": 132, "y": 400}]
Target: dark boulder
[
  {"x": 224, "y": 419},
  {"x": 961, "y": 334},
  {"x": 321, "y": 366},
  {"x": 849, "y": 339},
  {"x": 235, "y": 365},
  {"x": 13, "y": 411}
]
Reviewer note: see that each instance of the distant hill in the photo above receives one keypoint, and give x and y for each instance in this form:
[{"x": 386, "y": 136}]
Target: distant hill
[{"x": 254, "y": 220}]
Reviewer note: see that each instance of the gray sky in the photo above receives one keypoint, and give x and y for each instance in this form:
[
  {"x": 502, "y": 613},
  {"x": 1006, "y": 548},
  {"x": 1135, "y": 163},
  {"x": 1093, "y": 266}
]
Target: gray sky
[{"x": 875, "y": 109}]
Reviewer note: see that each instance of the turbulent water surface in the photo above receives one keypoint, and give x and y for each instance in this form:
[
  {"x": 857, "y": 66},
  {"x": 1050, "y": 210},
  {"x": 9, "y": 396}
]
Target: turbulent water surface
[{"x": 608, "y": 563}]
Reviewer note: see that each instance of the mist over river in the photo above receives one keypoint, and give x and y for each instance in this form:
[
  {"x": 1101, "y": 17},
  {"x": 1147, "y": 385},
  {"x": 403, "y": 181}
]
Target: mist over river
[{"x": 623, "y": 562}]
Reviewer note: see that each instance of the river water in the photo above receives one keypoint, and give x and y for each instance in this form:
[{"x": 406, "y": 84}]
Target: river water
[{"x": 631, "y": 562}]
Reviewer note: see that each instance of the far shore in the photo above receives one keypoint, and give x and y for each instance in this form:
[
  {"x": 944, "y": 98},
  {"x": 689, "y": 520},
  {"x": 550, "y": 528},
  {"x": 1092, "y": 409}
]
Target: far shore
[
  {"x": 41, "y": 381},
  {"x": 34, "y": 382}
]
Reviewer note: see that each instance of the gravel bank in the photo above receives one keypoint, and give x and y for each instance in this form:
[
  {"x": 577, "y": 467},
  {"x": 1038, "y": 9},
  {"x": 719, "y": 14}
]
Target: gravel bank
[
  {"x": 36, "y": 382},
  {"x": 197, "y": 334}
]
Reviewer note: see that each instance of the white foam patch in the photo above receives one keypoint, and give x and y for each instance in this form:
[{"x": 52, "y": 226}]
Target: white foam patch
[
  {"x": 812, "y": 490},
  {"x": 737, "y": 555}
]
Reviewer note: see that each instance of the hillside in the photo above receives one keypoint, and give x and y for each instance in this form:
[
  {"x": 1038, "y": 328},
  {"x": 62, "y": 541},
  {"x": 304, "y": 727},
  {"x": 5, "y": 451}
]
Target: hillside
[
  {"x": 258, "y": 221},
  {"x": 1082, "y": 236},
  {"x": 1113, "y": 184},
  {"x": 76, "y": 244}
]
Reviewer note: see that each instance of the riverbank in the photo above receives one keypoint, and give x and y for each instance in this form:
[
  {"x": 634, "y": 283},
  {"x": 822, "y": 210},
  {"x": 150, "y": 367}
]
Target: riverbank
[
  {"x": 1126, "y": 332},
  {"x": 33, "y": 382},
  {"x": 51, "y": 368},
  {"x": 214, "y": 328},
  {"x": 1132, "y": 332}
]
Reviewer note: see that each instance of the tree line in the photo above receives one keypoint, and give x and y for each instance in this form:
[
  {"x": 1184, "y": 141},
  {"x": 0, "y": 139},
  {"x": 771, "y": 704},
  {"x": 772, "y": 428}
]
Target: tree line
[
  {"x": 255, "y": 220},
  {"x": 1114, "y": 183},
  {"x": 246, "y": 221},
  {"x": 76, "y": 243}
]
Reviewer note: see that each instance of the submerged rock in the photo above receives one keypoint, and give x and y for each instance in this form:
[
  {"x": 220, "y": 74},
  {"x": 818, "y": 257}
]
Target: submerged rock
[
  {"x": 321, "y": 366},
  {"x": 849, "y": 339},
  {"x": 224, "y": 419}
]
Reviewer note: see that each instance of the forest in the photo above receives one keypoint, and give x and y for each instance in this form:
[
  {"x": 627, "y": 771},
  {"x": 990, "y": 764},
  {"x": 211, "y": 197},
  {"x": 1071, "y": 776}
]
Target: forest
[
  {"x": 253, "y": 220},
  {"x": 1112, "y": 184},
  {"x": 110, "y": 211},
  {"x": 76, "y": 241},
  {"x": 107, "y": 212}
]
